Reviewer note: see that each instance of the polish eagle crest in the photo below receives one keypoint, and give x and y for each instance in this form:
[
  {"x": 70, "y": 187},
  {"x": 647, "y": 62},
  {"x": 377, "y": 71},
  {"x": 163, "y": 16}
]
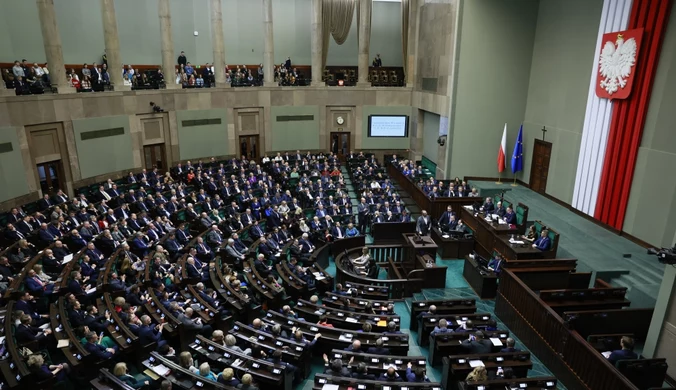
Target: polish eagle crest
[{"x": 616, "y": 63}]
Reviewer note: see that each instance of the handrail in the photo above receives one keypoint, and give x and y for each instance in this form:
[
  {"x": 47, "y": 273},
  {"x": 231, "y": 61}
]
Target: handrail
[{"x": 573, "y": 358}]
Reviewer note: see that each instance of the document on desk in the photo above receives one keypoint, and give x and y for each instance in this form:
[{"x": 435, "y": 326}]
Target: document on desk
[
  {"x": 511, "y": 241},
  {"x": 468, "y": 207},
  {"x": 343, "y": 337},
  {"x": 476, "y": 363},
  {"x": 606, "y": 354},
  {"x": 91, "y": 290},
  {"x": 496, "y": 341},
  {"x": 67, "y": 259},
  {"x": 501, "y": 222},
  {"x": 318, "y": 276},
  {"x": 160, "y": 369},
  {"x": 329, "y": 386},
  {"x": 351, "y": 319},
  {"x": 63, "y": 343}
]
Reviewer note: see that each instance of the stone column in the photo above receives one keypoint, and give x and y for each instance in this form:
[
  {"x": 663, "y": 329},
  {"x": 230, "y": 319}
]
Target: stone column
[
  {"x": 112, "y": 41},
  {"x": 53, "y": 49},
  {"x": 269, "y": 52},
  {"x": 167, "y": 44},
  {"x": 219, "y": 46},
  {"x": 316, "y": 25},
  {"x": 364, "y": 42},
  {"x": 412, "y": 43}
]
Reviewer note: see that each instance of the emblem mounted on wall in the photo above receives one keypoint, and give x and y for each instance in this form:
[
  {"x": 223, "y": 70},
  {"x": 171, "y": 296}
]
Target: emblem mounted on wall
[{"x": 617, "y": 63}]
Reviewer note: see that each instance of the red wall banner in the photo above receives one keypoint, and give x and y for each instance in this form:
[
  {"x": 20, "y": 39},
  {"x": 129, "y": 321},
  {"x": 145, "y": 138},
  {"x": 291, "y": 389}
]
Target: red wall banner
[{"x": 629, "y": 114}]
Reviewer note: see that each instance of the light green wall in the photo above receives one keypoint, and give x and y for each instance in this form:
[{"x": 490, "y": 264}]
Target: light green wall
[
  {"x": 294, "y": 135},
  {"x": 103, "y": 155},
  {"x": 559, "y": 85},
  {"x": 496, "y": 48},
  {"x": 369, "y": 143},
  {"x": 430, "y": 136},
  {"x": 651, "y": 211},
  {"x": 81, "y": 32},
  {"x": 20, "y": 34},
  {"x": 202, "y": 141},
  {"x": 12, "y": 180}
]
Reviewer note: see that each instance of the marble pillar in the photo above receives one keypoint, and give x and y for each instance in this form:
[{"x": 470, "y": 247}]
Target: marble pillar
[
  {"x": 316, "y": 25},
  {"x": 364, "y": 42},
  {"x": 412, "y": 49},
  {"x": 269, "y": 51},
  {"x": 53, "y": 49},
  {"x": 112, "y": 41},
  {"x": 167, "y": 44},
  {"x": 218, "y": 44}
]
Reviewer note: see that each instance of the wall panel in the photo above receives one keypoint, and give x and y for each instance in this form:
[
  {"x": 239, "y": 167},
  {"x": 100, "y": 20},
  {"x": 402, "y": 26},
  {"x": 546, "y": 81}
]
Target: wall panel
[
  {"x": 12, "y": 180},
  {"x": 202, "y": 133},
  {"x": 103, "y": 154}
]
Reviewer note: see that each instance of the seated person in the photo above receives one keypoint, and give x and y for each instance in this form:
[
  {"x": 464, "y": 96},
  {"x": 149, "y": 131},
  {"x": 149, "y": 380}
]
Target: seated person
[
  {"x": 335, "y": 368},
  {"x": 227, "y": 377},
  {"x": 378, "y": 349},
  {"x": 40, "y": 371},
  {"x": 510, "y": 346},
  {"x": 417, "y": 375},
  {"x": 122, "y": 373},
  {"x": 390, "y": 375},
  {"x": 247, "y": 383},
  {"x": 543, "y": 243},
  {"x": 495, "y": 264},
  {"x": 626, "y": 353},
  {"x": 531, "y": 235},
  {"x": 510, "y": 216},
  {"x": 361, "y": 372},
  {"x": 478, "y": 374},
  {"x": 442, "y": 327},
  {"x": 361, "y": 261},
  {"x": 95, "y": 348}
]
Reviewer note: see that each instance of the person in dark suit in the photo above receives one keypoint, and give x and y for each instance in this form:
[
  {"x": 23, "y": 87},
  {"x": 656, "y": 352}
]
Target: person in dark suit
[
  {"x": 335, "y": 368},
  {"x": 95, "y": 348},
  {"x": 417, "y": 375},
  {"x": 510, "y": 216},
  {"x": 260, "y": 266},
  {"x": 46, "y": 235},
  {"x": 150, "y": 333},
  {"x": 12, "y": 234},
  {"x": 543, "y": 242},
  {"x": 361, "y": 372},
  {"x": 476, "y": 344},
  {"x": 495, "y": 264},
  {"x": 489, "y": 207},
  {"x": 390, "y": 375},
  {"x": 26, "y": 333},
  {"x": 378, "y": 349},
  {"x": 94, "y": 321},
  {"x": 510, "y": 343},
  {"x": 446, "y": 217},
  {"x": 26, "y": 304},
  {"x": 424, "y": 224},
  {"x": 247, "y": 383},
  {"x": 45, "y": 202},
  {"x": 626, "y": 353}
]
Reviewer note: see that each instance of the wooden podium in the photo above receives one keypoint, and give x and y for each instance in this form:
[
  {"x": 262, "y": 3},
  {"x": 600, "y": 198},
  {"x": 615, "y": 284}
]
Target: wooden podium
[{"x": 420, "y": 260}]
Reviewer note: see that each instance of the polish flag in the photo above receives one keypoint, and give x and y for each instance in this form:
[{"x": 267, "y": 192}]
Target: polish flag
[{"x": 502, "y": 151}]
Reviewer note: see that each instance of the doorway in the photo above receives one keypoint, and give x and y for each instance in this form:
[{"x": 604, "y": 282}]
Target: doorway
[
  {"x": 153, "y": 156},
  {"x": 542, "y": 152},
  {"x": 51, "y": 177},
  {"x": 340, "y": 144},
  {"x": 249, "y": 146}
]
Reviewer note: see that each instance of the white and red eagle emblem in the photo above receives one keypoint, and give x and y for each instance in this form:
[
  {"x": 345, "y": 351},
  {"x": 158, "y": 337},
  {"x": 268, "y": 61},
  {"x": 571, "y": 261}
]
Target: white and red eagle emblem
[{"x": 617, "y": 63}]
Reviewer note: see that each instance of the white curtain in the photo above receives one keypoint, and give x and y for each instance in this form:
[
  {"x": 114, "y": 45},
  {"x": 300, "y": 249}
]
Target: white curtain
[{"x": 336, "y": 21}]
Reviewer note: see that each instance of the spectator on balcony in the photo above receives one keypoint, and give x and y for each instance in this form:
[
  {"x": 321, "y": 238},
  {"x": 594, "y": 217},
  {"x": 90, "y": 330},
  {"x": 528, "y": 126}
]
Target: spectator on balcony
[
  {"x": 208, "y": 74},
  {"x": 287, "y": 63},
  {"x": 177, "y": 76},
  {"x": 104, "y": 59},
  {"x": 191, "y": 80},
  {"x": 182, "y": 60},
  {"x": 126, "y": 81},
  {"x": 189, "y": 70},
  {"x": 17, "y": 70},
  {"x": 74, "y": 75},
  {"x": 45, "y": 71},
  {"x": 260, "y": 73},
  {"x": 74, "y": 81},
  {"x": 377, "y": 62},
  {"x": 37, "y": 71},
  {"x": 199, "y": 82},
  {"x": 86, "y": 73},
  {"x": 20, "y": 86}
]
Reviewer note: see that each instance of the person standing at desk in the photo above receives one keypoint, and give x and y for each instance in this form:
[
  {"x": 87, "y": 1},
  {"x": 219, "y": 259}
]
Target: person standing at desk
[
  {"x": 495, "y": 264},
  {"x": 543, "y": 242},
  {"x": 424, "y": 224},
  {"x": 445, "y": 218}
]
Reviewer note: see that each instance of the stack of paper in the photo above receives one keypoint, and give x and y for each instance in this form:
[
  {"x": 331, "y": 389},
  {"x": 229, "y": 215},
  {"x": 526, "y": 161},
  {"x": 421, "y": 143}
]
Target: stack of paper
[
  {"x": 67, "y": 259},
  {"x": 63, "y": 343},
  {"x": 330, "y": 387},
  {"x": 160, "y": 369},
  {"x": 496, "y": 341},
  {"x": 476, "y": 363}
]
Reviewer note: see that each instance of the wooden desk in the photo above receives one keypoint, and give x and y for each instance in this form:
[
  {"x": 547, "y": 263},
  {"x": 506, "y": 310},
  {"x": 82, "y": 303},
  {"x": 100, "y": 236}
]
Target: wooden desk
[
  {"x": 427, "y": 323},
  {"x": 484, "y": 285},
  {"x": 445, "y": 344},
  {"x": 536, "y": 383},
  {"x": 425, "y": 245},
  {"x": 457, "y": 367},
  {"x": 444, "y": 306},
  {"x": 390, "y": 232},
  {"x": 452, "y": 248}
]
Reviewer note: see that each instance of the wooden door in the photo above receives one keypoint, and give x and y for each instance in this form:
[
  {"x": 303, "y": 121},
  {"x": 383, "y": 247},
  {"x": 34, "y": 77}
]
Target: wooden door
[
  {"x": 542, "y": 152},
  {"x": 340, "y": 144},
  {"x": 153, "y": 156},
  {"x": 249, "y": 146},
  {"x": 51, "y": 177}
]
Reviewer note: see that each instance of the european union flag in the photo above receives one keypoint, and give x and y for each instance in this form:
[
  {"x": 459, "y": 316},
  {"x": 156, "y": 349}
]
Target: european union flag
[{"x": 517, "y": 156}]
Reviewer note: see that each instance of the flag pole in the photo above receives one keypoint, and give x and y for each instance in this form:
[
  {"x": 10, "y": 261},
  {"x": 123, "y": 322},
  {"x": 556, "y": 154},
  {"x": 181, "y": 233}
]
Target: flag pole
[
  {"x": 499, "y": 178},
  {"x": 514, "y": 184}
]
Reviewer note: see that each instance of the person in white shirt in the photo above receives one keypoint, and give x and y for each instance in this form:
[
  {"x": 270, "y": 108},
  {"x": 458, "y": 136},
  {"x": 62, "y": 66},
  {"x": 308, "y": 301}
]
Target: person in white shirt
[
  {"x": 375, "y": 184},
  {"x": 265, "y": 159},
  {"x": 361, "y": 261}
]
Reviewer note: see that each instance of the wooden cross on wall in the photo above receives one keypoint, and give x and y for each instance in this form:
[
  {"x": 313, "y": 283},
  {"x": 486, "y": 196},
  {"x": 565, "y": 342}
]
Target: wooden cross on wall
[{"x": 544, "y": 130}]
